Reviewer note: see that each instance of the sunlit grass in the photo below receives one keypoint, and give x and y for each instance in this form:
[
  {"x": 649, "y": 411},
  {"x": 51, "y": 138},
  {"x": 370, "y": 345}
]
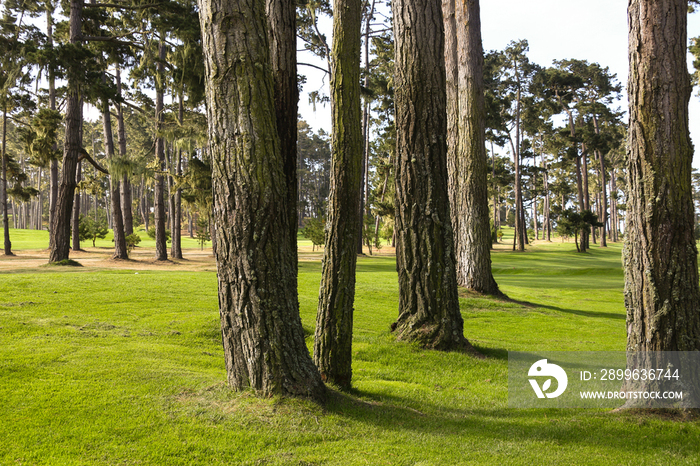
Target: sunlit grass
[{"x": 126, "y": 367}]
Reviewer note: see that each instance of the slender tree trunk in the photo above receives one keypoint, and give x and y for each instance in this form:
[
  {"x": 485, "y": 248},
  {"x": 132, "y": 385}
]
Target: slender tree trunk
[
  {"x": 5, "y": 218},
  {"x": 176, "y": 230},
  {"x": 333, "y": 338},
  {"x": 662, "y": 294},
  {"x": 60, "y": 229},
  {"x": 120, "y": 251},
  {"x": 127, "y": 216},
  {"x": 53, "y": 183},
  {"x": 467, "y": 173},
  {"x": 161, "y": 239},
  {"x": 615, "y": 222},
  {"x": 263, "y": 337},
  {"x": 75, "y": 219},
  {"x": 428, "y": 304}
]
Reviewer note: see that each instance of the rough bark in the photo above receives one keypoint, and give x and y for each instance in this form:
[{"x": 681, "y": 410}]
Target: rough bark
[
  {"x": 61, "y": 226},
  {"x": 428, "y": 304},
  {"x": 333, "y": 338},
  {"x": 281, "y": 19},
  {"x": 466, "y": 162},
  {"x": 159, "y": 191},
  {"x": 263, "y": 337},
  {"x": 662, "y": 295}
]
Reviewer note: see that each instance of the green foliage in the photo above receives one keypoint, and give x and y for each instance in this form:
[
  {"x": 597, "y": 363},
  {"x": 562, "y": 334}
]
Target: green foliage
[
  {"x": 315, "y": 230},
  {"x": 202, "y": 232},
  {"x": 152, "y": 234},
  {"x": 89, "y": 229},
  {"x": 132, "y": 241},
  {"x": 571, "y": 223}
]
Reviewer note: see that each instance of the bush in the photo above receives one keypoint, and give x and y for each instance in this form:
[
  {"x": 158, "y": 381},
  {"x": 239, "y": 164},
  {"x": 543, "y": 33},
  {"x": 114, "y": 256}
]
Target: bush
[
  {"x": 131, "y": 241},
  {"x": 315, "y": 230},
  {"x": 89, "y": 229},
  {"x": 152, "y": 234}
]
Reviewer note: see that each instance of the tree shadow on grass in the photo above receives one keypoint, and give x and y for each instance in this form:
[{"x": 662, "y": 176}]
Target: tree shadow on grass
[{"x": 630, "y": 432}]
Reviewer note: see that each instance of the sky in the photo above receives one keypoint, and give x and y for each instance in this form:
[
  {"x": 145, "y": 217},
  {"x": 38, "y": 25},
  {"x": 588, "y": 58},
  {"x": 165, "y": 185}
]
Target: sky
[{"x": 593, "y": 30}]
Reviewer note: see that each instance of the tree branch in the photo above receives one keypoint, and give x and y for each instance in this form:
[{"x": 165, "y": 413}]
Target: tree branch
[
  {"x": 314, "y": 66},
  {"x": 85, "y": 156},
  {"x": 122, "y": 7}
]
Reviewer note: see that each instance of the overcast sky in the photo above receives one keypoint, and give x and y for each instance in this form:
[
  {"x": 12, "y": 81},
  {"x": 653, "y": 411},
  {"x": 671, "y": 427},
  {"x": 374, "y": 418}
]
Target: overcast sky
[{"x": 593, "y": 30}]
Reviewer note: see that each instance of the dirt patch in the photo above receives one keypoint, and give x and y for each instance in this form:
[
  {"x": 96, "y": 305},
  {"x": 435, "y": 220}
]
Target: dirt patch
[{"x": 101, "y": 258}]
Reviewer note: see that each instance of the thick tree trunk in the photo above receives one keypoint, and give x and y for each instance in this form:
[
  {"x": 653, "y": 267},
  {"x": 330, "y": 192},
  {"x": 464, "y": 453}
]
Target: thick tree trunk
[
  {"x": 467, "y": 163},
  {"x": 60, "y": 228},
  {"x": 263, "y": 337},
  {"x": 333, "y": 338},
  {"x": 281, "y": 19},
  {"x": 662, "y": 295},
  {"x": 428, "y": 304},
  {"x": 159, "y": 207}
]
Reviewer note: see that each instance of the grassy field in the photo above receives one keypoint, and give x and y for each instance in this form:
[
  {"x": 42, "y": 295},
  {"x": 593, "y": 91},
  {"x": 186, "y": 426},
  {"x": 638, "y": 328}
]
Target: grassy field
[{"x": 106, "y": 364}]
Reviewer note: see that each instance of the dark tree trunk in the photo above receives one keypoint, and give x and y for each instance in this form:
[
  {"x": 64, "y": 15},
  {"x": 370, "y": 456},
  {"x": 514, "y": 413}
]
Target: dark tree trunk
[
  {"x": 159, "y": 207},
  {"x": 333, "y": 338},
  {"x": 61, "y": 226},
  {"x": 615, "y": 222},
  {"x": 467, "y": 161},
  {"x": 53, "y": 177},
  {"x": 75, "y": 215},
  {"x": 662, "y": 295},
  {"x": 127, "y": 216},
  {"x": 428, "y": 304},
  {"x": 176, "y": 211},
  {"x": 120, "y": 251},
  {"x": 5, "y": 217},
  {"x": 281, "y": 18},
  {"x": 263, "y": 337},
  {"x": 603, "y": 202}
]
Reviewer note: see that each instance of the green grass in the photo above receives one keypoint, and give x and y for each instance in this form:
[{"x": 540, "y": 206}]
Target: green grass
[
  {"x": 39, "y": 239},
  {"x": 126, "y": 367}
]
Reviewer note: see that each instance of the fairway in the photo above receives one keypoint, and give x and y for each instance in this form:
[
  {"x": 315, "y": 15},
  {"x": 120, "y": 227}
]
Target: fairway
[{"x": 121, "y": 363}]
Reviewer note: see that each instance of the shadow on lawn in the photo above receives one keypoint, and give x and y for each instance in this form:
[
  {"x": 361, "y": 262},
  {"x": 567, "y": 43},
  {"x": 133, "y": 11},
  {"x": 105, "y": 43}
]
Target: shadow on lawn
[{"x": 593, "y": 428}]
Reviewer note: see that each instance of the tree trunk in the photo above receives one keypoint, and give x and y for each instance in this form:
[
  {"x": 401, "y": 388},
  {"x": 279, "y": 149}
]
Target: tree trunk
[
  {"x": 75, "y": 219},
  {"x": 60, "y": 228},
  {"x": 281, "y": 19},
  {"x": 662, "y": 295},
  {"x": 5, "y": 217},
  {"x": 467, "y": 167},
  {"x": 127, "y": 216},
  {"x": 120, "y": 251},
  {"x": 263, "y": 337},
  {"x": 333, "y": 338},
  {"x": 615, "y": 223},
  {"x": 428, "y": 304},
  {"x": 176, "y": 215},
  {"x": 159, "y": 207},
  {"x": 53, "y": 167}
]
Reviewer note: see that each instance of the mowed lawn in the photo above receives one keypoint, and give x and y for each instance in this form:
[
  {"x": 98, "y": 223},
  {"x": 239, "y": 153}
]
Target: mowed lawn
[{"x": 125, "y": 366}]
